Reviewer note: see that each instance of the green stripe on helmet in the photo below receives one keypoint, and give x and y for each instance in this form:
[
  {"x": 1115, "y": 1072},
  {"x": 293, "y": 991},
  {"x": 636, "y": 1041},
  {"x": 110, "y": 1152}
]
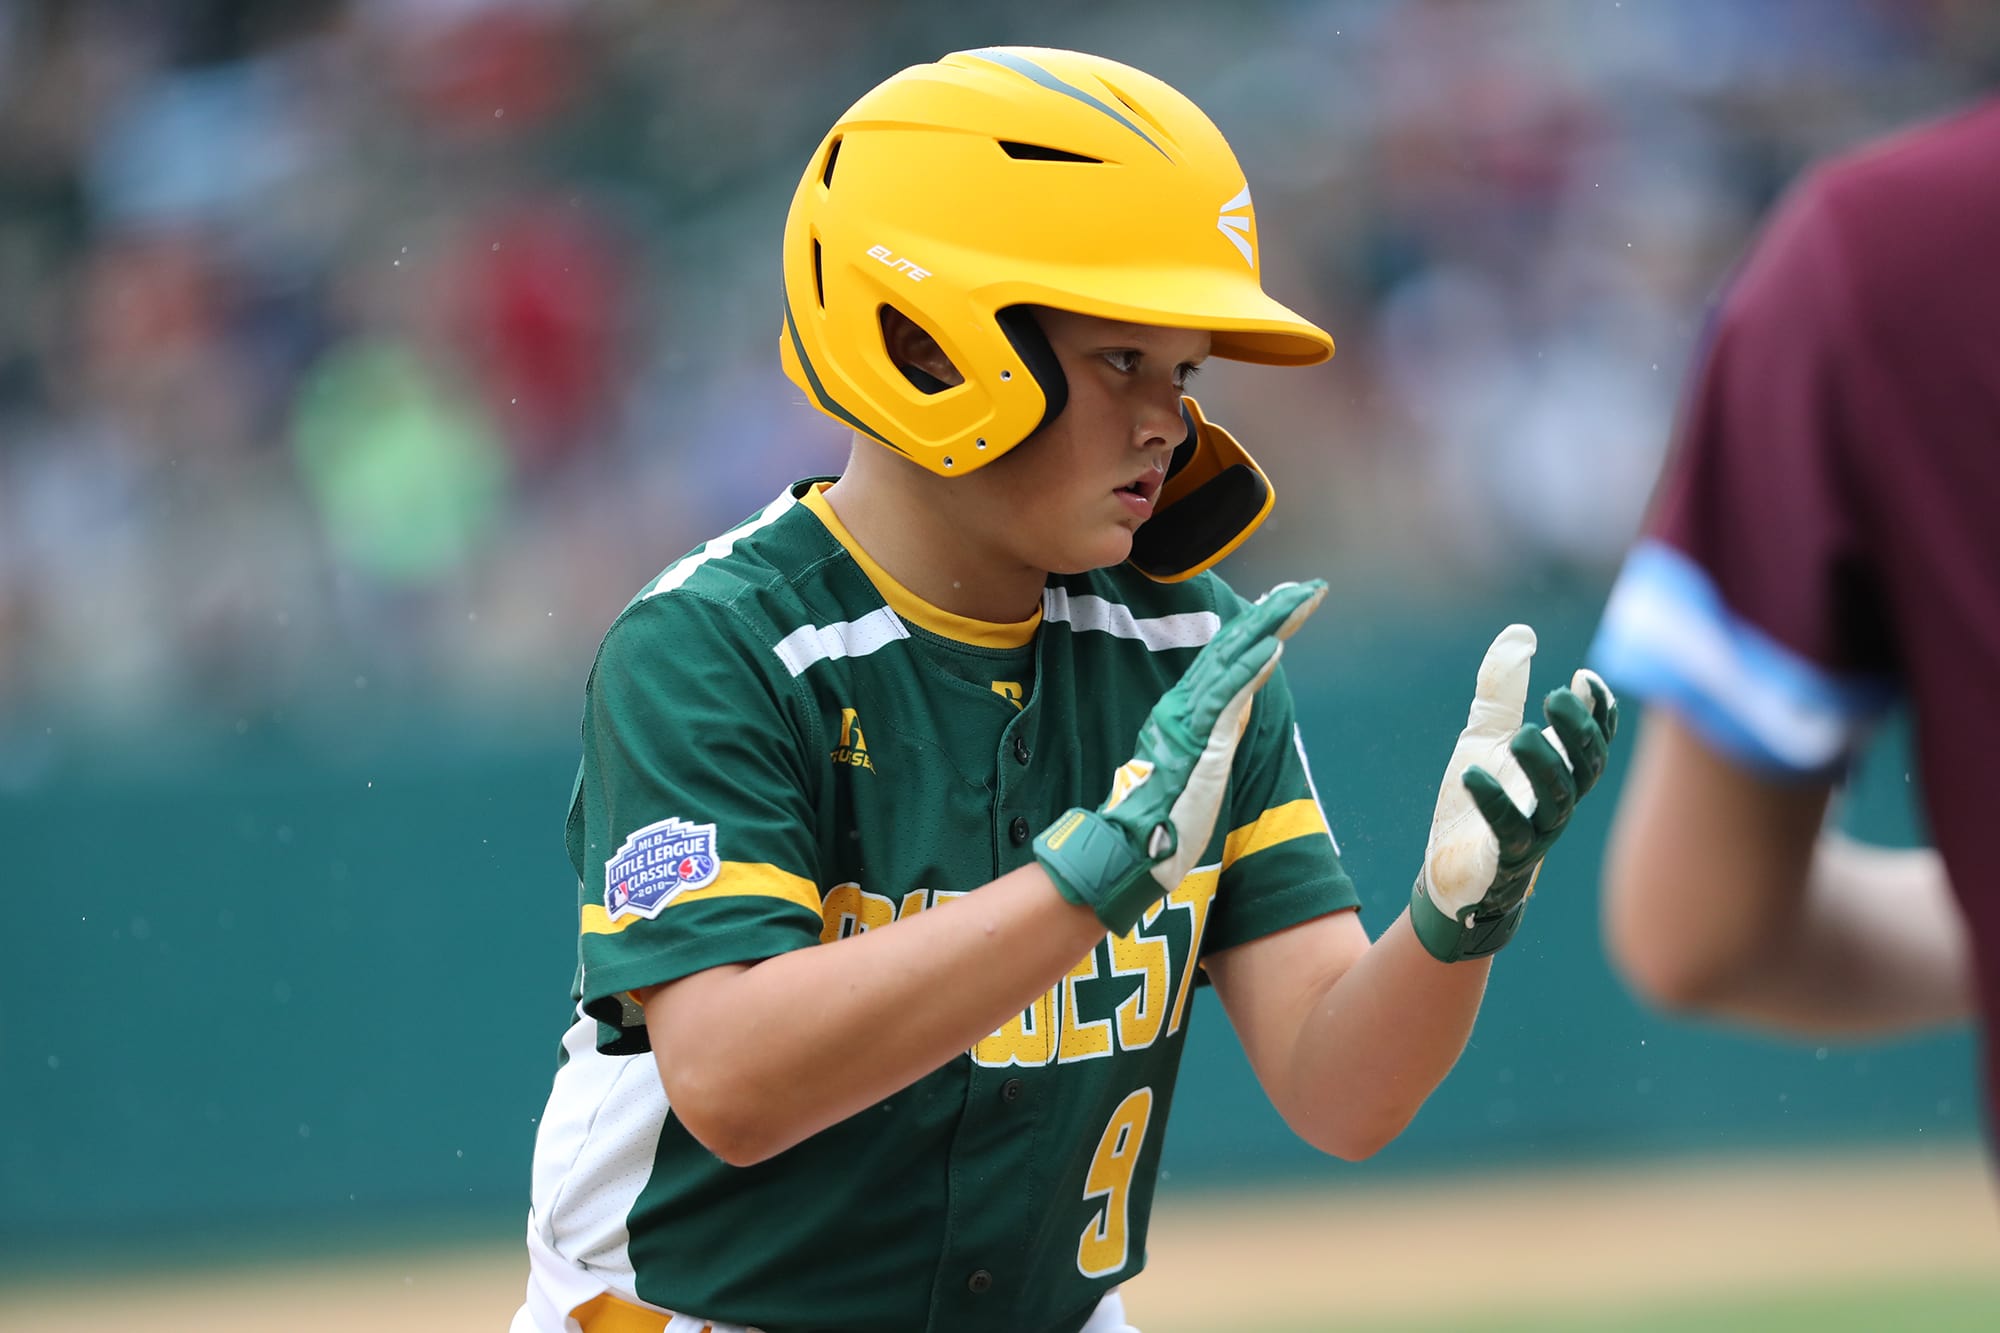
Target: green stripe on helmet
[
  {"x": 1028, "y": 68},
  {"x": 819, "y": 390}
]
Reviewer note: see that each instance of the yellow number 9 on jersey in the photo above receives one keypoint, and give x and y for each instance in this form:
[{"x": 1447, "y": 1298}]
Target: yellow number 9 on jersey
[{"x": 1102, "y": 1248}]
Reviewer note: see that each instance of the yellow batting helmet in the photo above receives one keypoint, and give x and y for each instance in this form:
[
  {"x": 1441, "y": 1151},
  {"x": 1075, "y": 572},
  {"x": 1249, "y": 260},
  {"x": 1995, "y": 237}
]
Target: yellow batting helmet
[{"x": 962, "y": 192}]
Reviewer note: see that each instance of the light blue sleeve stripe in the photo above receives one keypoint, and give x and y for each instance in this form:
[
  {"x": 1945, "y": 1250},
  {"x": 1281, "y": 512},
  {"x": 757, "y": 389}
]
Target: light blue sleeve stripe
[
  {"x": 1028, "y": 68},
  {"x": 1668, "y": 637}
]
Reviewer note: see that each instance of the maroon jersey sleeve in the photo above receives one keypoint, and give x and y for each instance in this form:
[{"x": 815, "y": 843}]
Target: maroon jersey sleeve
[{"x": 1750, "y": 607}]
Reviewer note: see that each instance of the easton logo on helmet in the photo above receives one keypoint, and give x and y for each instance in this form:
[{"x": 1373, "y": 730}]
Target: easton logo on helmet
[{"x": 1234, "y": 223}]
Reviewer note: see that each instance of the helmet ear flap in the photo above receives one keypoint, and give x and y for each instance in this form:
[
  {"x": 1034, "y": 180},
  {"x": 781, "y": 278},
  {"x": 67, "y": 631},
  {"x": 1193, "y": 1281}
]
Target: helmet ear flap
[
  {"x": 1214, "y": 497},
  {"x": 1024, "y": 332}
]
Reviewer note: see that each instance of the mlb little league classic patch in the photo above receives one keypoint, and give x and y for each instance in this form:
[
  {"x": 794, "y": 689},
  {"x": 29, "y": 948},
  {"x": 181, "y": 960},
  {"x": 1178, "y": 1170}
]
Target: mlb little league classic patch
[{"x": 656, "y": 864}]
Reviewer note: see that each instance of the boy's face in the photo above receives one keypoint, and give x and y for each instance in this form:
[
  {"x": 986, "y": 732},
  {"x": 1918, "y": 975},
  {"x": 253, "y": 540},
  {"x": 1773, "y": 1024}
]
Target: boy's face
[{"x": 1069, "y": 498}]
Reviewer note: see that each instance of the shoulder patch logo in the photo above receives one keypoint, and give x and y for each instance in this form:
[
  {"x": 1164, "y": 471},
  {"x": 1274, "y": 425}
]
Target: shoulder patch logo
[
  {"x": 656, "y": 864},
  {"x": 1234, "y": 223},
  {"x": 852, "y": 752}
]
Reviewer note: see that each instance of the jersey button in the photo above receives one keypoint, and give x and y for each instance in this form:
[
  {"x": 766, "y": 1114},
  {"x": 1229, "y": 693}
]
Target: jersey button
[
  {"x": 1010, "y": 1091},
  {"x": 1018, "y": 830},
  {"x": 980, "y": 1282},
  {"x": 1020, "y": 750}
]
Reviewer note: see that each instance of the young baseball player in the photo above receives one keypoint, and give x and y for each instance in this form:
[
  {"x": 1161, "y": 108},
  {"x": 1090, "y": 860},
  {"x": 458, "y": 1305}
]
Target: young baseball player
[
  {"x": 1826, "y": 539},
  {"x": 914, "y": 809}
]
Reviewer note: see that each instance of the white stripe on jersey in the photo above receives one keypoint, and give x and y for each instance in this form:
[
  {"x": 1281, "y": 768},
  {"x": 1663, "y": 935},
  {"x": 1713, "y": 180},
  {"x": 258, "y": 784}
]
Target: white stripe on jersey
[
  {"x": 1087, "y": 611},
  {"x": 717, "y": 547},
  {"x": 594, "y": 1153},
  {"x": 849, "y": 638}
]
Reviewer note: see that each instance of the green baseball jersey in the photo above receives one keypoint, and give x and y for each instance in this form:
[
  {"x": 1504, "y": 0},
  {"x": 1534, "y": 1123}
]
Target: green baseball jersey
[{"x": 784, "y": 747}]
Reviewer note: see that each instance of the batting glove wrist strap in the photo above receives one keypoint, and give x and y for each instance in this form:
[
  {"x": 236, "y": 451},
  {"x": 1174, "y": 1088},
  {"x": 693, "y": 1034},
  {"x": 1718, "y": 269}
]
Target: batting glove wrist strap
[
  {"x": 1094, "y": 865},
  {"x": 1468, "y": 935}
]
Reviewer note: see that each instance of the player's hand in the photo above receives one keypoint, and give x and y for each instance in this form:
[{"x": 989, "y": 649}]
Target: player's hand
[
  {"x": 1507, "y": 794},
  {"x": 1121, "y": 858}
]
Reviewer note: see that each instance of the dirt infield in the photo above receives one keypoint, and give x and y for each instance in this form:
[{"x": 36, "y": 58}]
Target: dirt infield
[
  {"x": 1567, "y": 1240},
  {"x": 1417, "y": 1250}
]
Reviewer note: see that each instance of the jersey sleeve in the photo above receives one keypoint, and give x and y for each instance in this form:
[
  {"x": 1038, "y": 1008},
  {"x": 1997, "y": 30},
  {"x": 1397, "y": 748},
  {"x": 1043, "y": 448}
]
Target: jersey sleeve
[
  {"x": 691, "y": 826},
  {"x": 1280, "y": 864},
  {"x": 1749, "y": 607}
]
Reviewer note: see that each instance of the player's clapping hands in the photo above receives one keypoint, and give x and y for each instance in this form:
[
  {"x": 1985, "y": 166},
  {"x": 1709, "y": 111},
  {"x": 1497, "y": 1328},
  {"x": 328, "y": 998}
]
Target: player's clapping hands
[{"x": 1508, "y": 792}]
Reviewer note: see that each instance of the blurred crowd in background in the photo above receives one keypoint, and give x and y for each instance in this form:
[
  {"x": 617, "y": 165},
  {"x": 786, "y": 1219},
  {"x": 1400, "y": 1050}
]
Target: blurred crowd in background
[{"x": 396, "y": 342}]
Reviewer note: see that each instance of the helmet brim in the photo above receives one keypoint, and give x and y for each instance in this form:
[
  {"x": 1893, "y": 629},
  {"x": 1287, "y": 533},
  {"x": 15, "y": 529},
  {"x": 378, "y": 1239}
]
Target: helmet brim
[{"x": 1246, "y": 324}]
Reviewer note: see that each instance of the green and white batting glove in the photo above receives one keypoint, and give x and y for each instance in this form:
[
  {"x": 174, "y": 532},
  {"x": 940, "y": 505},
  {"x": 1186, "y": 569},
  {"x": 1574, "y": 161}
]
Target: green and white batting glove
[
  {"x": 1121, "y": 858},
  {"x": 1489, "y": 833}
]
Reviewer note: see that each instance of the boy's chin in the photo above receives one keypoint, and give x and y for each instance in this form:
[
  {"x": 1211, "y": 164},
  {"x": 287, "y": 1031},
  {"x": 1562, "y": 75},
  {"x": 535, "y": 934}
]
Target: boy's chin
[{"x": 1100, "y": 555}]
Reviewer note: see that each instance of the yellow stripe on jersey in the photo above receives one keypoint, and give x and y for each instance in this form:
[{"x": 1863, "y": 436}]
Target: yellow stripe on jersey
[
  {"x": 1281, "y": 823},
  {"x": 737, "y": 879},
  {"x": 960, "y": 629}
]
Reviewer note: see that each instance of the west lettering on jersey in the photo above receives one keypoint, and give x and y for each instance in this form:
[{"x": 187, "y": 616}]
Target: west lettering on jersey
[{"x": 1077, "y": 1020}]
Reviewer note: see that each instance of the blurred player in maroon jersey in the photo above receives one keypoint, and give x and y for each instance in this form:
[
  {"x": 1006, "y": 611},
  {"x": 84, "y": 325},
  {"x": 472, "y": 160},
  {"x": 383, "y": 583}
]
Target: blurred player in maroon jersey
[{"x": 1826, "y": 540}]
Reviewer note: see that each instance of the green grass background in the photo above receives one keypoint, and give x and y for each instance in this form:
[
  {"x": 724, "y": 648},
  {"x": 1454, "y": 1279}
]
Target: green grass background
[{"x": 1954, "y": 1305}]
